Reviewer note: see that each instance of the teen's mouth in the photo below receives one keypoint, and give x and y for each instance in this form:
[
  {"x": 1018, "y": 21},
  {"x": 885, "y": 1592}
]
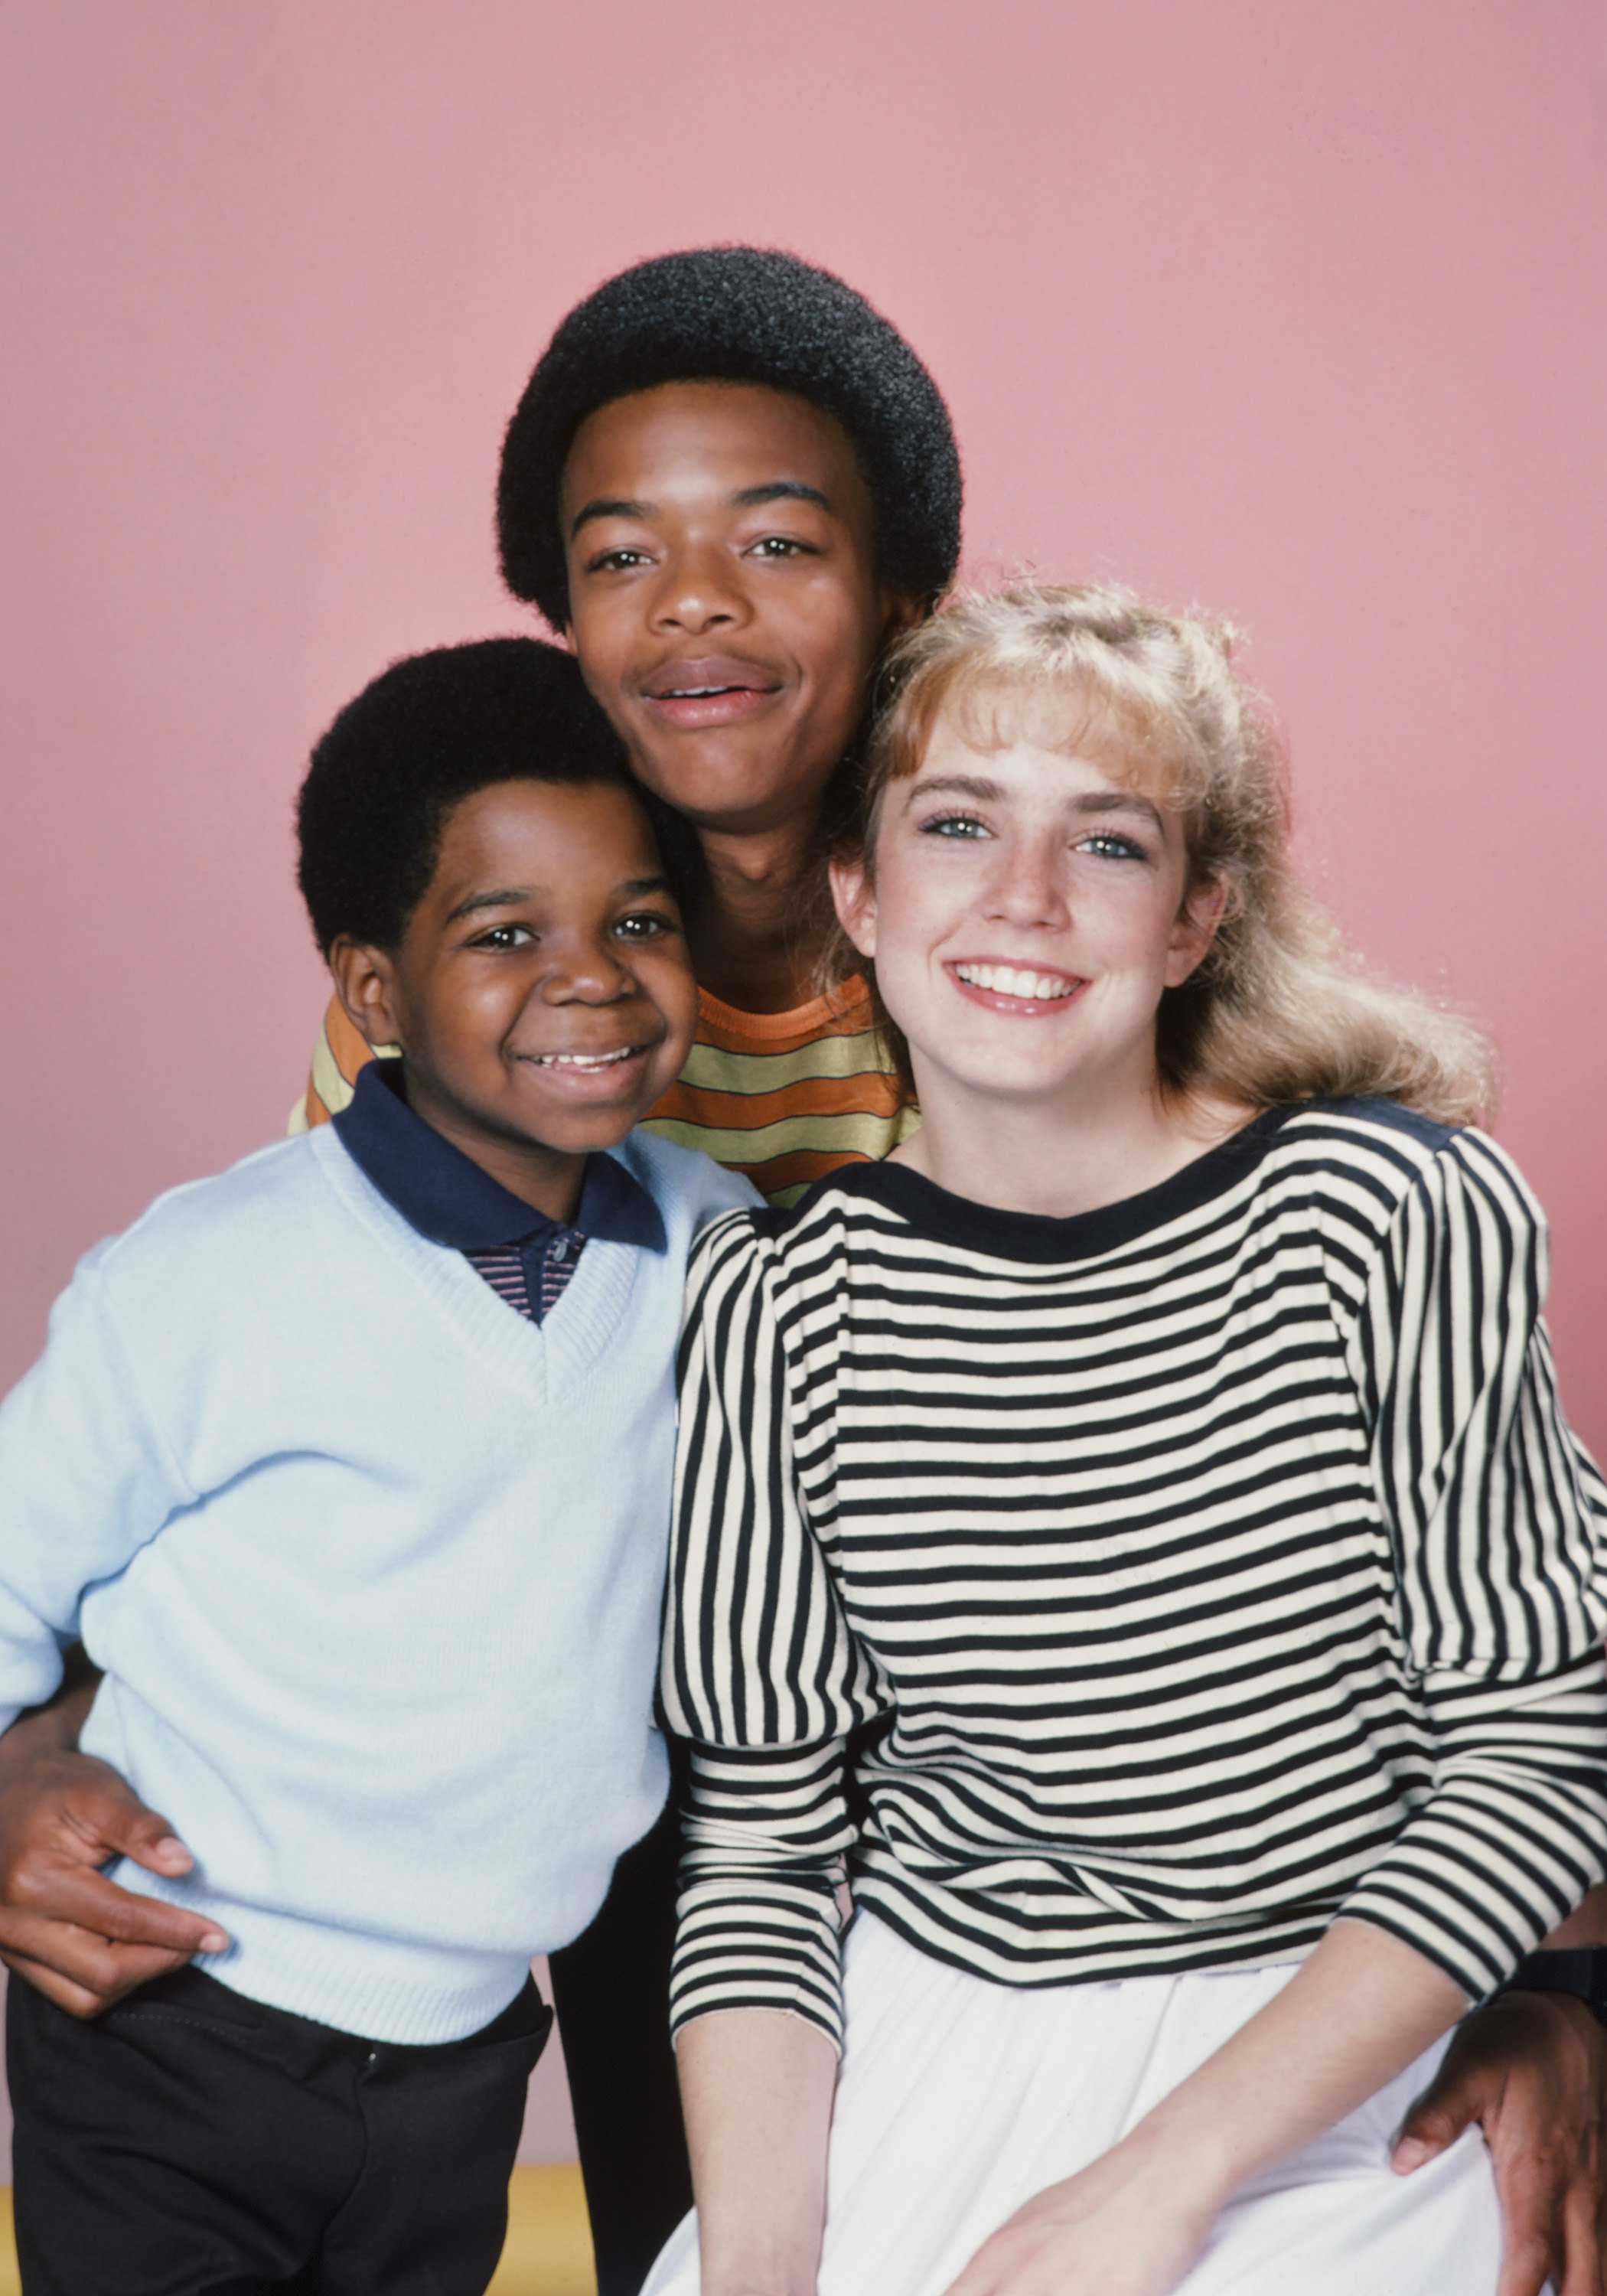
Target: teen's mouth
[
  {"x": 708, "y": 690},
  {"x": 1028, "y": 990}
]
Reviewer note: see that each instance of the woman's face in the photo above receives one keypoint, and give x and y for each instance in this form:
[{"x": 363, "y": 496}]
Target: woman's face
[
  {"x": 723, "y": 595},
  {"x": 1026, "y": 911}
]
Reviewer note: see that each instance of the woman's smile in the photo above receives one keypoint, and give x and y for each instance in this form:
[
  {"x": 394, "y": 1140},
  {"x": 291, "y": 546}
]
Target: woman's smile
[{"x": 1024, "y": 991}]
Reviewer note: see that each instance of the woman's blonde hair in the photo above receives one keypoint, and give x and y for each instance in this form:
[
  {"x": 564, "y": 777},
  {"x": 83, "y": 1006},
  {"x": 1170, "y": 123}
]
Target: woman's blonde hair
[{"x": 1279, "y": 1009}]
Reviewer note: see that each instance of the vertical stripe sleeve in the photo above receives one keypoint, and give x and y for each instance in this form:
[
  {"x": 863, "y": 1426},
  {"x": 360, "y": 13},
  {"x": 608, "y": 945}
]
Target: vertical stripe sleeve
[
  {"x": 1494, "y": 1510},
  {"x": 761, "y": 1669}
]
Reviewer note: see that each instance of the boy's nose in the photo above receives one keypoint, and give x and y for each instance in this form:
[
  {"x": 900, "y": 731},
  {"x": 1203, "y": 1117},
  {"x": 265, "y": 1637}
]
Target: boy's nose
[{"x": 593, "y": 974}]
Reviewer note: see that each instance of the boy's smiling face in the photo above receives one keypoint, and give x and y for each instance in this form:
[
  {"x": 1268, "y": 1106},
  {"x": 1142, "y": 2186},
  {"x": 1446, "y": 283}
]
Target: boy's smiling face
[
  {"x": 723, "y": 595},
  {"x": 541, "y": 993}
]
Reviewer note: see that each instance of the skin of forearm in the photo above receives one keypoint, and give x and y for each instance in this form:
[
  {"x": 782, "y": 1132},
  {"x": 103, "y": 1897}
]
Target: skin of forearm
[
  {"x": 59, "y": 1722},
  {"x": 1355, "y": 2014},
  {"x": 756, "y": 2090},
  {"x": 1587, "y": 1925}
]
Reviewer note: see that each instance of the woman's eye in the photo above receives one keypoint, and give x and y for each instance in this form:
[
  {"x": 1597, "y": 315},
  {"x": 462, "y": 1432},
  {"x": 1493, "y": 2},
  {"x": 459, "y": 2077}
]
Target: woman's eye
[
  {"x": 954, "y": 825},
  {"x": 1109, "y": 846}
]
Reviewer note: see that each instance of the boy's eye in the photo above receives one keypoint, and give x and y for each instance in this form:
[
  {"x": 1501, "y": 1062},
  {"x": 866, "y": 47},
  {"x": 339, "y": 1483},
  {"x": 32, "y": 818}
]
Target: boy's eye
[
  {"x": 504, "y": 937},
  {"x": 644, "y": 924},
  {"x": 954, "y": 825},
  {"x": 781, "y": 545}
]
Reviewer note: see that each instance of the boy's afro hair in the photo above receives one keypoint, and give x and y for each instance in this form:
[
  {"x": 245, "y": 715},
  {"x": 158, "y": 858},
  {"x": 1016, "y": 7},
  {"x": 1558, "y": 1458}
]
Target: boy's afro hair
[
  {"x": 736, "y": 315},
  {"x": 428, "y": 732}
]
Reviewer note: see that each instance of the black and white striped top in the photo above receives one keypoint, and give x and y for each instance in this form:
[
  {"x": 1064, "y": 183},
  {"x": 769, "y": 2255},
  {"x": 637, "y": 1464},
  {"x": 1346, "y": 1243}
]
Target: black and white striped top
[{"x": 1202, "y": 1567}]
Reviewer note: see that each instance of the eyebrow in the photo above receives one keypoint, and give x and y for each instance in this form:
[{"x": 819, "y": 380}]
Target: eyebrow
[
  {"x": 746, "y": 498},
  {"x": 509, "y": 895},
  {"x": 781, "y": 491},
  {"x": 975, "y": 785}
]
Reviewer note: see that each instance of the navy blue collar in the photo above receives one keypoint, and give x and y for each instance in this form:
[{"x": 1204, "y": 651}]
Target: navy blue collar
[{"x": 445, "y": 1196}]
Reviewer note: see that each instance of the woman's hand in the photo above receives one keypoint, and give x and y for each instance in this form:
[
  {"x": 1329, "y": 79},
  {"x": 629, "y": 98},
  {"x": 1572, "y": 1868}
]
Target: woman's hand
[
  {"x": 1128, "y": 2225},
  {"x": 63, "y": 1927}
]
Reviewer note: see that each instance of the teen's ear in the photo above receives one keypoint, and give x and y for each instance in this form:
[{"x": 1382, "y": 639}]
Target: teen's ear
[
  {"x": 366, "y": 983},
  {"x": 1194, "y": 928},
  {"x": 900, "y": 614},
  {"x": 854, "y": 898}
]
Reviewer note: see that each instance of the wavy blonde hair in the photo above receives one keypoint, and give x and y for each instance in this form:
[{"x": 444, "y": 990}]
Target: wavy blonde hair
[{"x": 1279, "y": 1009}]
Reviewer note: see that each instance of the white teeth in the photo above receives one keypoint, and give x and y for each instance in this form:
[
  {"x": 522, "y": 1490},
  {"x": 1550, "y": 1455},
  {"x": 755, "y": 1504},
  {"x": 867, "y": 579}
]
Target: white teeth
[
  {"x": 1012, "y": 981},
  {"x": 585, "y": 1060}
]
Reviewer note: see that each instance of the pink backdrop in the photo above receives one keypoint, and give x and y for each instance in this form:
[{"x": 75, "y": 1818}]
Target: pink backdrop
[{"x": 1295, "y": 310}]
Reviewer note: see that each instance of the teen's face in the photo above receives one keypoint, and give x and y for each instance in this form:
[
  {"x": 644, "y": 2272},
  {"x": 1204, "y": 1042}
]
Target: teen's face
[
  {"x": 1026, "y": 914},
  {"x": 542, "y": 992},
  {"x": 723, "y": 597}
]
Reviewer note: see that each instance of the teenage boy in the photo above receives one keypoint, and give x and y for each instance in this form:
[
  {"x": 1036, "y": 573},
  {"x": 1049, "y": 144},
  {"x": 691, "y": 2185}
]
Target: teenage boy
[
  {"x": 351, "y": 1469},
  {"x": 729, "y": 482}
]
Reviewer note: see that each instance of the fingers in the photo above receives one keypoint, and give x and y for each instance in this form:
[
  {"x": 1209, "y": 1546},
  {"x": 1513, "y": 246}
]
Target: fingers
[
  {"x": 85, "y": 1974},
  {"x": 1431, "y": 2124},
  {"x": 1526, "y": 2263},
  {"x": 1585, "y": 2272},
  {"x": 105, "y": 1813},
  {"x": 50, "y": 1896}
]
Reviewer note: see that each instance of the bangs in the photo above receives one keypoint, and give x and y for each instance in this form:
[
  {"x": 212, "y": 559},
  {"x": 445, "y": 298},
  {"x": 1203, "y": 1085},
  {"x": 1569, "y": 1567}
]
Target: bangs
[{"x": 1095, "y": 709}]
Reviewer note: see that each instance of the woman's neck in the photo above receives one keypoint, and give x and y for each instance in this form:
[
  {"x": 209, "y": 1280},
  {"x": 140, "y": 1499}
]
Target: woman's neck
[
  {"x": 1061, "y": 1159},
  {"x": 758, "y": 940}
]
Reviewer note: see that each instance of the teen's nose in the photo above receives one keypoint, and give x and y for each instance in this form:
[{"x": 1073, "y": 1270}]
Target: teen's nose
[{"x": 698, "y": 589}]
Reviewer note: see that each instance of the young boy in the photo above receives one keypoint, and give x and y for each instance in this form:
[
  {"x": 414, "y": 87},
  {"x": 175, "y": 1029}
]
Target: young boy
[{"x": 351, "y": 1469}]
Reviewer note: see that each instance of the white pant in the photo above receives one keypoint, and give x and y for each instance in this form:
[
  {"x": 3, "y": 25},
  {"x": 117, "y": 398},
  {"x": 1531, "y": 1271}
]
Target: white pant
[{"x": 960, "y": 2099}]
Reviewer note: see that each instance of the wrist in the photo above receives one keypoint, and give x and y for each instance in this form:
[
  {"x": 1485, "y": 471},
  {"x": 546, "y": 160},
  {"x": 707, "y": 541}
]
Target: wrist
[{"x": 1189, "y": 2159}]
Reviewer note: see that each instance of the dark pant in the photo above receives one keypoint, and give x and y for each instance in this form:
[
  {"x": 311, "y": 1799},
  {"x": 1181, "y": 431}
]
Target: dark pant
[
  {"x": 193, "y": 2143},
  {"x": 612, "y": 1992}
]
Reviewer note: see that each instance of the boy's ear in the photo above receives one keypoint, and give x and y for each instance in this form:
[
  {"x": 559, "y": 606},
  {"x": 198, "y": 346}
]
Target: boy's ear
[
  {"x": 853, "y": 897},
  {"x": 364, "y": 981},
  {"x": 1194, "y": 928}
]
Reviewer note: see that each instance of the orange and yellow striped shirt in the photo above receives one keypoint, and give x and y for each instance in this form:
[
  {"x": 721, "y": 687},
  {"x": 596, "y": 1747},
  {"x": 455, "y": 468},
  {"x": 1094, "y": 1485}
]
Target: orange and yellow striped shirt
[{"x": 782, "y": 1098}]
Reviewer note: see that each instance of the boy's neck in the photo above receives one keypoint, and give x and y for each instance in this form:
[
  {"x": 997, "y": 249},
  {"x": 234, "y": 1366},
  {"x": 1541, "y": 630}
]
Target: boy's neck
[
  {"x": 548, "y": 1179},
  {"x": 758, "y": 941}
]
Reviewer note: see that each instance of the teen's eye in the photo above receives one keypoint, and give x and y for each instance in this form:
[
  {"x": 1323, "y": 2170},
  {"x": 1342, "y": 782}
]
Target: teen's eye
[
  {"x": 503, "y": 938},
  {"x": 961, "y": 825},
  {"x": 781, "y": 545},
  {"x": 611, "y": 562},
  {"x": 644, "y": 924}
]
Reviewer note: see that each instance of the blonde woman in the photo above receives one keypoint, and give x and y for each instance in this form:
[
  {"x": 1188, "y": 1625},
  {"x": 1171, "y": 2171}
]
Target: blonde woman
[{"x": 1130, "y": 1539}]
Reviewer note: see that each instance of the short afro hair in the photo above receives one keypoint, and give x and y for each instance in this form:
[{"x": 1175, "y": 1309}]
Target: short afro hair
[
  {"x": 736, "y": 315},
  {"x": 430, "y": 730}
]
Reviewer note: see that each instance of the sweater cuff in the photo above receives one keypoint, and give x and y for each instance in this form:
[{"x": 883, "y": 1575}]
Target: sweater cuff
[{"x": 753, "y": 1943}]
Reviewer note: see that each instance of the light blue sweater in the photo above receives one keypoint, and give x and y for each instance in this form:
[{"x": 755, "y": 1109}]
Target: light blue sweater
[{"x": 373, "y": 1566}]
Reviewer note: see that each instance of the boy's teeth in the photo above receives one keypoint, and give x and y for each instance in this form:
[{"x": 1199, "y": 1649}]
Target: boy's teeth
[
  {"x": 583, "y": 1059},
  {"x": 1012, "y": 981}
]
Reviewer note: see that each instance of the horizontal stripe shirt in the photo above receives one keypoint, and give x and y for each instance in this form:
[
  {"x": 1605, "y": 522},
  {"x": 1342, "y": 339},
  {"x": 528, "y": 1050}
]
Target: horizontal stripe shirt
[
  {"x": 1135, "y": 1592},
  {"x": 781, "y": 1097}
]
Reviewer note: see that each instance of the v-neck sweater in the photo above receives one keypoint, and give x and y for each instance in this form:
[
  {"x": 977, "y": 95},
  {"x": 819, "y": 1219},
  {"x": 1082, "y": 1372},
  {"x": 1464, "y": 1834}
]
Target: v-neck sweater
[{"x": 373, "y": 1566}]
